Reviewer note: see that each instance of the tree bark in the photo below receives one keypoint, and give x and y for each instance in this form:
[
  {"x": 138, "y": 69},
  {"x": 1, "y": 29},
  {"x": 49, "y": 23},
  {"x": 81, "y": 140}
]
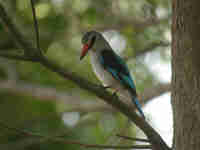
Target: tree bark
[{"x": 186, "y": 74}]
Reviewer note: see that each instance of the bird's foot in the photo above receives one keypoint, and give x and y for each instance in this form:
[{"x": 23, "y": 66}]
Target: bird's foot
[{"x": 114, "y": 94}]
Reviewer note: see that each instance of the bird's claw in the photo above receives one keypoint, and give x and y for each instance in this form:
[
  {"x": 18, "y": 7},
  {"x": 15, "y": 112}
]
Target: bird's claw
[{"x": 114, "y": 94}]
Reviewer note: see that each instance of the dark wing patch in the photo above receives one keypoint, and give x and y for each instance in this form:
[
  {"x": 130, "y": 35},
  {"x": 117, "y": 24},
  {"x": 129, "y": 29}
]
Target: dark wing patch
[
  {"x": 118, "y": 68},
  {"x": 112, "y": 60}
]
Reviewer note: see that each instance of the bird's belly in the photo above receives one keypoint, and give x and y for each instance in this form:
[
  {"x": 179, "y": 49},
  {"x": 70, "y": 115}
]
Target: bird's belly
[
  {"x": 107, "y": 79},
  {"x": 104, "y": 76}
]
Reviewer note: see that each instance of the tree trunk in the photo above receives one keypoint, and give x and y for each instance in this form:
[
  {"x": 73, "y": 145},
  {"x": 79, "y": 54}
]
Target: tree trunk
[{"x": 186, "y": 74}]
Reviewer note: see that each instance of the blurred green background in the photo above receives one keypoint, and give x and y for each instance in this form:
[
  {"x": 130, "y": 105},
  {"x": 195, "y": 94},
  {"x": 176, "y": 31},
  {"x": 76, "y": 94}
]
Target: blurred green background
[{"x": 35, "y": 99}]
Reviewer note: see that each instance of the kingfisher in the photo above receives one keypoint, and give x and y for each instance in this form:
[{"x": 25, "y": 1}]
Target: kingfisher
[{"x": 108, "y": 66}]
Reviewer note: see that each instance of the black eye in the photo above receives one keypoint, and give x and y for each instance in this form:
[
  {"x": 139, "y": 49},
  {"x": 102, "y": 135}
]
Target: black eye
[{"x": 92, "y": 42}]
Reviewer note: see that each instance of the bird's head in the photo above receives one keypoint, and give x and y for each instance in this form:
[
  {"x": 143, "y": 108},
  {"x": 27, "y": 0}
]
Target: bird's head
[{"x": 90, "y": 41}]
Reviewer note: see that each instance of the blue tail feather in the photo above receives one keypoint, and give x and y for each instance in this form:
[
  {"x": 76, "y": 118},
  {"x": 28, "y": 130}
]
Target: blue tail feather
[{"x": 138, "y": 106}]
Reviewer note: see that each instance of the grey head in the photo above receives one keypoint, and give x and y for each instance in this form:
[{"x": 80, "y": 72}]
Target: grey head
[
  {"x": 93, "y": 41},
  {"x": 89, "y": 36}
]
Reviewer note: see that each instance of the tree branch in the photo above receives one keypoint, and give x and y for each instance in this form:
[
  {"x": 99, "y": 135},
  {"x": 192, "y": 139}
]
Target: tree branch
[
  {"x": 47, "y": 93},
  {"x": 133, "y": 139},
  {"x": 62, "y": 140},
  {"x": 12, "y": 28},
  {"x": 29, "y": 50},
  {"x": 155, "y": 139},
  {"x": 149, "y": 48}
]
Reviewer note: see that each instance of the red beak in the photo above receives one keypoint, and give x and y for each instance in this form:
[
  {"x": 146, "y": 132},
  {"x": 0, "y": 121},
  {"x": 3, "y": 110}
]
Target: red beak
[{"x": 84, "y": 50}]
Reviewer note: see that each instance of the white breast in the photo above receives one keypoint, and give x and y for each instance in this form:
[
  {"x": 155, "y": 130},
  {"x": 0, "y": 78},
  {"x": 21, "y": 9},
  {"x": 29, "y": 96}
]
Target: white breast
[{"x": 106, "y": 77}]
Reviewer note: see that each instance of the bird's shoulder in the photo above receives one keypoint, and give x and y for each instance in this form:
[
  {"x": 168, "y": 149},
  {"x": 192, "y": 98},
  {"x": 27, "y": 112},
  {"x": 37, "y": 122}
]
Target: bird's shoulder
[{"x": 111, "y": 59}]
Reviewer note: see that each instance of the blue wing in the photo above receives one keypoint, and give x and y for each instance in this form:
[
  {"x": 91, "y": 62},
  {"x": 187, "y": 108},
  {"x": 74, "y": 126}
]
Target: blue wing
[
  {"x": 115, "y": 65},
  {"x": 118, "y": 68}
]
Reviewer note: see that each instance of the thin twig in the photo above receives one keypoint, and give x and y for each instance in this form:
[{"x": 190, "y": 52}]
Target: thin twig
[
  {"x": 35, "y": 25},
  {"x": 133, "y": 139},
  {"x": 57, "y": 139},
  {"x": 151, "y": 47},
  {"x": 12, "y": 29},
  {"x": 23, "y": 132}
]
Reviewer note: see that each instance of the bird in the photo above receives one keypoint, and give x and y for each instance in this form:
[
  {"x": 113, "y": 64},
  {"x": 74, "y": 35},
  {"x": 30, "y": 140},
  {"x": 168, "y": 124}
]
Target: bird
[{"x": 108, "y": 66}]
